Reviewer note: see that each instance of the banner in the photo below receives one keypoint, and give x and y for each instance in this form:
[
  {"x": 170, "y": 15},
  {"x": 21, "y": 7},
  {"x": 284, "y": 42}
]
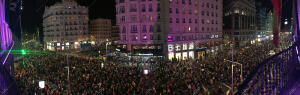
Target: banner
[{"x": 277, "y": 6}]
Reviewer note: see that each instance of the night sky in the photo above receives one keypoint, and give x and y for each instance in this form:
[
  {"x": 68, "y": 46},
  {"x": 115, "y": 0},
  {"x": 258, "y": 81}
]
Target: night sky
[{"x": 34, "y": 9}]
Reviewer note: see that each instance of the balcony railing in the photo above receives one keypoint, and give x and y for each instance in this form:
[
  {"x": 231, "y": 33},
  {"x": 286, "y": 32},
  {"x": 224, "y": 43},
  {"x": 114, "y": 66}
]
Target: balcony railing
[{"x": 272, "y": 75}]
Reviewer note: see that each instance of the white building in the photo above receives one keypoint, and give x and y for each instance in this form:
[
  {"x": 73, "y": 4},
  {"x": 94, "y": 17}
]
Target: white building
[
  {"x": 65, "y": 26},
  {"x": 100, "y": 30}
]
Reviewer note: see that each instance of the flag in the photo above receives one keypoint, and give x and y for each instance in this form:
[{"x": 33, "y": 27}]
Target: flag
[{"x": 277, "y": 6}]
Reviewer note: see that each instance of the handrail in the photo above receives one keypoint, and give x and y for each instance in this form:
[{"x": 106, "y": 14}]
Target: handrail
[{"x": 261, "y": 66}]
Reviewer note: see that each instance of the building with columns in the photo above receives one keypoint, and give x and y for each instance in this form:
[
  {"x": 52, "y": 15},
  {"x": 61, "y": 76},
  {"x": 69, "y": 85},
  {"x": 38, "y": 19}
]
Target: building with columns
[
  {"x": 65, "y": 26},
  {"x": 239, "y": 21},
  {"x": 178, "y": 29}
]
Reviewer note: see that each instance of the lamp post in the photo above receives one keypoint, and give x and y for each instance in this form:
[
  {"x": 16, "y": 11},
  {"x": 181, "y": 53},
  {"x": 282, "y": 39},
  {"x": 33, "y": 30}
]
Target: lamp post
[
  {"x": 69, "y": 84},
  {"x": 106, "y": 46}
]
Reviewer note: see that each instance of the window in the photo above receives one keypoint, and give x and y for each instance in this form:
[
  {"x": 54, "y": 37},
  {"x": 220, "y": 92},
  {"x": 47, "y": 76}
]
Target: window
[
  {"x": 183, "y": 1},
  {"x": 143, "y": 8},
  {"x": 122, "y": 1},
  {"x": 158, "y": 7},
  {"x": 202, "y": 13},
  {"x": 202, "y": 21},
  {"x": 190, "y": 20},
  {"x": 177, "y": 11},
  {"x": 133, "y": 8},
  {"x": 207, "y": 21},
  {"x": 151, "y": 28},
  {"x": 190, "y": 2},
  {"x": 171, "y": 20},
  {"x": 144, "y": 28},
  {"x": 123, "y": 19},
  {"x": 207, "y": 13},
  {"x": 133, "y": 18},
  {"x": 124, "y": 29},
  {"x": 150, "y": 8},
  {"x": 158, "y": 37},
  {"x": 170, "y": 10},
  {"x": 158, "y": 28},
  {"x": 207, "y": 5},
  {"x": 177, "y": 38},
  {"x": 183, "y": 20},
  {"x": 133, "y": 29},
  {"x": 134, "y": 38},
  {"x": 122, "y": 9},
  {"x": 183, "y": 38},
  {"x": 151, "y": 37},
  {"x": 145, "y": 37},
  {"x": 196, "y": 20}
]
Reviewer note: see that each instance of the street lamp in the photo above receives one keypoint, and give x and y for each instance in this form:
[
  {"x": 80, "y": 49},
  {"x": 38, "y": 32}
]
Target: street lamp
[{"x": 107, "y": 43}]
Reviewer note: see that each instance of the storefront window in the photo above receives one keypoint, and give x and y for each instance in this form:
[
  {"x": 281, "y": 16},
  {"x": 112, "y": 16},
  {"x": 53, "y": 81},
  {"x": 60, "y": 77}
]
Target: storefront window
[
  {"x": 191, "y": 46},
  {"x": 184, "y": 47}
]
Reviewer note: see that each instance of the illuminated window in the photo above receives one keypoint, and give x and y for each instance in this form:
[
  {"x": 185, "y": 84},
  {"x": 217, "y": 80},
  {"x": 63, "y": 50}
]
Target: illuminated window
[
  {"x": 171, "y": 47},
  {"x": 196, "y": 12},
  {"x": 151, "y": 18},
  {"x": 184, "y": 47},
  {"x": 237, "y": 11},
  {"x": 207, "y": 21}
]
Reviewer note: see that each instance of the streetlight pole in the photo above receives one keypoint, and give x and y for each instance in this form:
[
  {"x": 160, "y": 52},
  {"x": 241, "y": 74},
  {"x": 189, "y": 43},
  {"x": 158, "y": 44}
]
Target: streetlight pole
[
  {"x": 232, "y": 86},
  {"x": 69, "y": 86},
  {"x": 106, "y": 46}
]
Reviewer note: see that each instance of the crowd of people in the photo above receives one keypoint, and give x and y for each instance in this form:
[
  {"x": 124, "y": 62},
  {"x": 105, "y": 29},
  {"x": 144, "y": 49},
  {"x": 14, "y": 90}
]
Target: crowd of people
[{"x": 211, "y": 76}]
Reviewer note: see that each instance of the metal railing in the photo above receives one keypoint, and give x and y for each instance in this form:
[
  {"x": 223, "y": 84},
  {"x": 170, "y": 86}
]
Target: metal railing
[{"x": 272, "y": 75}]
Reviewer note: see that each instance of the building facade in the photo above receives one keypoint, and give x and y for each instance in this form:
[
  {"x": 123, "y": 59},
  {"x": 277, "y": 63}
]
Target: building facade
[
  {"x": 115, "y": 34},
  {"x": 65, "y": 26},
  {"x": 100, "y": 30},
  {"x": 239, "y": 21},
  {"x": 172, "y": 28},
  {"x": 261, "y": 20},
  {"x": 269, "y": 23}
]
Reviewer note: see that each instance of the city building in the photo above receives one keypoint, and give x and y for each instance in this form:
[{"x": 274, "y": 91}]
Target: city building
[
  {"x": 239, "y": 21},
  {"x": 269, "y": 23},
  {"x": 115, "y": 34},
  {"x": 100, "y": 30},
  {"x": 261, "y": 20},
  {"x": 65, "y": 26},
  {"x": 178, "y": 29}
]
